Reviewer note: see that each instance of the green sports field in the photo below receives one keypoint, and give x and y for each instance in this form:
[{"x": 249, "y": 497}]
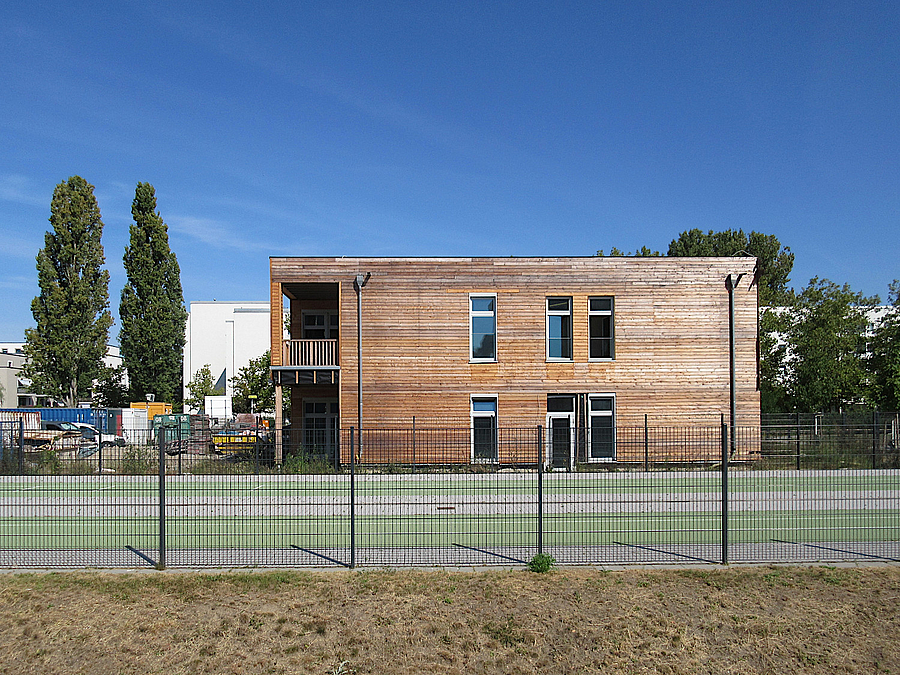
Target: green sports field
[{"x": 590, "y": 517}]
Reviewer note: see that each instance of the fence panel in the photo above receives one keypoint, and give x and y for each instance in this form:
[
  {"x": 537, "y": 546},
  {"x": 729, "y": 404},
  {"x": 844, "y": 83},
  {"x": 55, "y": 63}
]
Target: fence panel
[
  {"x": 817, "y": 493},
  {"x": 190, "y": 497},
  {"x": 58, "y": 508},
  {"x": 658, "y": 500},
  {"x": 454, "y": 497}
]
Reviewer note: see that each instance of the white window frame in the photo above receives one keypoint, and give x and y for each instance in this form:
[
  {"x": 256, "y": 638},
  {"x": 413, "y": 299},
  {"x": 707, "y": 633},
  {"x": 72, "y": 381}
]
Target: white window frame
[
  {"x": 573, "y": 431},
  {"x": 472, "y": 315},
  {"x": 611, "y": 313},
  {"x": 557, "y": 312},
  {"x": 473, "y": 414},
  {"x": 600, "y": 413}
]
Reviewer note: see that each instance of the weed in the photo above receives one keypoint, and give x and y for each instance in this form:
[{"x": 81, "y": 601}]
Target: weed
[
  {"x": 342, "y": 669},
  {"x": 506, "y": 633},
  {"x": 48, "y": 462},
  {"x": 541, "y": 563},
  {"x": 137, "y": 460},
  {"x": 304, "y": 464}
]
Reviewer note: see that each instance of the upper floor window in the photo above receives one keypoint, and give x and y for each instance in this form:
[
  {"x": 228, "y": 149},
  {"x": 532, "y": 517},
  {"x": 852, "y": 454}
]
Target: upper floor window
[
  {"x": 601, "y": 328},
  {"x": 483, "y": 327},
  {"x": 559, "y": 329},
  {"x": 320, "y": 325}
]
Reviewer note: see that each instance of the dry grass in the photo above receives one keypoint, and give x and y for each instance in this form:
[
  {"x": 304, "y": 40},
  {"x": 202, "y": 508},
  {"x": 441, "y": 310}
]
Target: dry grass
[{"x": 745, "y": 620}]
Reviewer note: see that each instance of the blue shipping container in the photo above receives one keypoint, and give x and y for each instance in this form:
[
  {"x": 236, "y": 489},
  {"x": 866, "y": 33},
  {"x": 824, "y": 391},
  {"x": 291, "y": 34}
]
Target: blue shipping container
[{"x": 104, "y": 419}]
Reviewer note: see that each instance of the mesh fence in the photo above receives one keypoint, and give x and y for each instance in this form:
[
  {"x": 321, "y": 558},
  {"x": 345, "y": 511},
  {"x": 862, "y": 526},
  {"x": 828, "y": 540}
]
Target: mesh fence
[{"x": 185, "y": 496}]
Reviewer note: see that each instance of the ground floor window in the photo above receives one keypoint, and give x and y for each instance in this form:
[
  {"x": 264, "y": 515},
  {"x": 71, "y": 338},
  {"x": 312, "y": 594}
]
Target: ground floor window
[
  {"x": 484, "y": 429},
  {"x": 602, "y": 427}
]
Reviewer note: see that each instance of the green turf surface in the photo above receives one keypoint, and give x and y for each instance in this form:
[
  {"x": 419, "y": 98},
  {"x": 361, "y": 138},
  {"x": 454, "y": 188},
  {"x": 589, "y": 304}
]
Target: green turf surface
[
  {"x": 495, "y": 510},
  {"x": 444, "y": 530},
  {"x": 387, "y": 486}
]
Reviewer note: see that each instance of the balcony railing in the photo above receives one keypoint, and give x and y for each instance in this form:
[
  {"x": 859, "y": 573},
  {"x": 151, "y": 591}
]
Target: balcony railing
[{"x": 310, "y": 353}]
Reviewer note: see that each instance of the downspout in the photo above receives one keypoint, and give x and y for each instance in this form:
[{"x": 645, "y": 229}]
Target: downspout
[
  {"x": 358, "y": 284},
  {"x": 731, "y": 284}
]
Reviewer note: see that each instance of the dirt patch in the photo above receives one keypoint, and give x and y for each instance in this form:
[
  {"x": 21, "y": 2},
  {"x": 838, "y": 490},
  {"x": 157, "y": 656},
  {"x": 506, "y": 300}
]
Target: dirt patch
[{"x": 746, "y": 620}]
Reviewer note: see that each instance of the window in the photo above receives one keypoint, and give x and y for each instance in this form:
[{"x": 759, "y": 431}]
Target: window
[
  {"x": 483, "y": 327},
  {"x": 320, "y": 325},
  {"x": 602, "y": 430},
  {"x": 320, "y": 424},
  {"x": 600, "y": 319},
  {"x": 484, "y": 428},
  {"x": 559, "y": 329}
]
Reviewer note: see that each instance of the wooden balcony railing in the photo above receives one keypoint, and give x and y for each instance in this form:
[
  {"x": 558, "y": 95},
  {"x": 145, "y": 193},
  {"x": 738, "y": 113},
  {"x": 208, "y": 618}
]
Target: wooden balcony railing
[{"x": 310, "y": 353}]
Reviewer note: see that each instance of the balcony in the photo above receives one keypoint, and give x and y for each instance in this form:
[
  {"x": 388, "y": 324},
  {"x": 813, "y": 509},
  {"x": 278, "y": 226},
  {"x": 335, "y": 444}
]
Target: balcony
[{"x": 310, "y": 353}]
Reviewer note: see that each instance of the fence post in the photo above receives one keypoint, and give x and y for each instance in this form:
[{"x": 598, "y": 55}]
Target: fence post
[
  {"x": 646, "y": 445},
  {"x": 99, "y": 452},
  {"x": 724, "y": 433},
  {"x": 161, "y": 564},
  {"x": 798, "y": 441},
  {"x": 352, "y": 500},
  {"x": 540, "y": 489},
  {"x": 21, "y": 458},
  {"x": 256, "y": 443},
  {"x": 874, "y": 438}
]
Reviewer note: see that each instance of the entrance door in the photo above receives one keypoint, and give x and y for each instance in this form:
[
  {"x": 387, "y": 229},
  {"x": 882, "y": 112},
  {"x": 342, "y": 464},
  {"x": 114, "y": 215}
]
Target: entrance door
[
  {"x": 560, "y": 441},
  {"x": 320, "y": 428},
  {"x": 560, "y": 431}
]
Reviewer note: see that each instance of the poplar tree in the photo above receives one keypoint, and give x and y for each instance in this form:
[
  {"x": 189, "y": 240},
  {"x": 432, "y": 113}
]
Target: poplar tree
[
  {"x": 152, "y": 305},
  {"x": 67, "y": 346}
]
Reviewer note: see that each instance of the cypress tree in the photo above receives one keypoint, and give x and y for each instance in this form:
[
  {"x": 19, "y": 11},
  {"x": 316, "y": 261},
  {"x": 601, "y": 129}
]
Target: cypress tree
[
  {"x": 152, "y": 305},
  {"x": 67, "y": 346}
]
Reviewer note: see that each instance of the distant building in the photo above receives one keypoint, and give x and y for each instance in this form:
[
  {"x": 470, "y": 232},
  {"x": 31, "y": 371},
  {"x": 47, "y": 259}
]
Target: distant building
[
  {"x": 225, "y": 336},
  {"x": 15, "y": 392},
  {"x": 11, "y": 361}
]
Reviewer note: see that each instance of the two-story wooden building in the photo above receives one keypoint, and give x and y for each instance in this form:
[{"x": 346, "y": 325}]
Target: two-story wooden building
[{"x": 593, "y": 344}]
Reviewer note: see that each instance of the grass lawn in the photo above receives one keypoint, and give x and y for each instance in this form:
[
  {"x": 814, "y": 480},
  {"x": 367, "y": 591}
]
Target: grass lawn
[{"x": 585, "y": 620}]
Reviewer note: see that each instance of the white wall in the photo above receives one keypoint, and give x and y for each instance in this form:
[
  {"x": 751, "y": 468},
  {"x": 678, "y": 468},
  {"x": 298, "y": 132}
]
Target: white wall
[{"x": 225, "y": 335}]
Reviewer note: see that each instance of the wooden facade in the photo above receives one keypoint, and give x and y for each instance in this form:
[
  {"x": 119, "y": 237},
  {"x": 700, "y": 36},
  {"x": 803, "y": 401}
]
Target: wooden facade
[{"x": 667, "y": 357}]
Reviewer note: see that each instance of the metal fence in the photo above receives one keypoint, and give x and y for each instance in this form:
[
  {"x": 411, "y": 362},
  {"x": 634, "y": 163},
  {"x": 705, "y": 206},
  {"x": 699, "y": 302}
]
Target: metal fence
[{"x": 190, "y": 498}]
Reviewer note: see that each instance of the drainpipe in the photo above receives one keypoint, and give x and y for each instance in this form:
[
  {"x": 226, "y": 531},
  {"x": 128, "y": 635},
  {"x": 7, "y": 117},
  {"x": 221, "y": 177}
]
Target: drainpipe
[
  {"x": 358, "y": 284},
  {"x": 731, "y": 283}
]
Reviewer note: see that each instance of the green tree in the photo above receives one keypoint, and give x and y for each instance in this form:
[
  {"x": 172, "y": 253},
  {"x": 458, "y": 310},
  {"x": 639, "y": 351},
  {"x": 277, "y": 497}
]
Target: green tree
[
  {"x": 254, "y": 379},
  {"x": 201, "y": 385},
  {"x": 152, "y": 305},
  {"x": 66, "y": 347},
  {"x": 826, "y": 368},
  {"x": 110, "y": 390},
  {"x": 642, "y": 252},
  {"x": 775, "y": 261},
  {"x": 884, "y": 363}
]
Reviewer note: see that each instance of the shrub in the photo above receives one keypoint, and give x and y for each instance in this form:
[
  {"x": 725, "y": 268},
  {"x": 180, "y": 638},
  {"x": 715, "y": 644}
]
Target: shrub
[{"x": 541, "y": 563}]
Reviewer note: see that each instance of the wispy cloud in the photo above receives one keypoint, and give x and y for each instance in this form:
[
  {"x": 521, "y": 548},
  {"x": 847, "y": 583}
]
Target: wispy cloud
[
  {"x": 18, "y": 283},
  {"x": 20, "y": 190},
  {"x": 214, "y": 233}
]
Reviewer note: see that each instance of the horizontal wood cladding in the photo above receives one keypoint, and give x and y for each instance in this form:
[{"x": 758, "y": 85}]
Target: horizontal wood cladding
[{"x": 671, "y": 335}]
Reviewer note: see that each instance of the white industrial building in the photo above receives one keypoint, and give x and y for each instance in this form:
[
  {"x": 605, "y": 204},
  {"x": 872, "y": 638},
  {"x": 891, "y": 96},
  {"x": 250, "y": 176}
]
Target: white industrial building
[
  {"x": 225, "y": 336},
  {"x": 14, "y": 388}
]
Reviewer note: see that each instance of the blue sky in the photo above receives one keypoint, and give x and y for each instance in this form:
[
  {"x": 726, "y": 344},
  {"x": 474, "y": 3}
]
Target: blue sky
[{"x": 461, "y": 128}]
